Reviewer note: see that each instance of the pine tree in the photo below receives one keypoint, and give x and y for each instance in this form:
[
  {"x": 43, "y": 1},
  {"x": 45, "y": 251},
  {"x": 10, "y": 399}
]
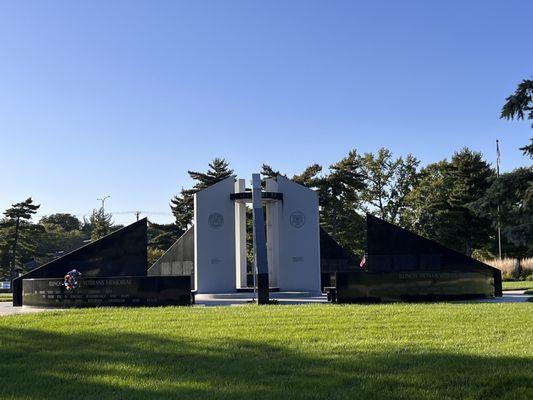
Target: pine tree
[
  {"x": 339, "y": 194},
  {"x": 512, "y": 194},
  {"x": 100, "y": 223},
  {"x": 520, "y": 106},
  {"x": 182, "y": 205},
  {"x": 218, "y": 170},
  {"x": 19, "y": 212},
  {"x": 268, "y": 172},
  {"x": 442, "y": 202}
]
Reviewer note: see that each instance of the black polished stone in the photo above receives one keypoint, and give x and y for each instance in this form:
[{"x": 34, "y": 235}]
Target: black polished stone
[
  {"x": 361, "y": 286},
  {"x": 264, "y": 195},
  {"x": 114, "y": 291},
  {"x": 334, "y": 258},
  {"x": 391, "y": 248},
  {"x": 121, "y": 253},
  {"x": 404, "y": 266}
]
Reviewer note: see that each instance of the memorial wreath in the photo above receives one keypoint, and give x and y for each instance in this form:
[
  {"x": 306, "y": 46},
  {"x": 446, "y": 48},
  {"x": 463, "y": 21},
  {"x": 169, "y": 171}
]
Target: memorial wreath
[{"x": 72, "y": 279}]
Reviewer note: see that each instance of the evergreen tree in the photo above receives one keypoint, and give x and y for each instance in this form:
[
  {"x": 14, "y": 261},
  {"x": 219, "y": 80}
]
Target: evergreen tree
[
  {"x": 101, "y": 223},
  {"x": 218, "y": 170},
  {"x": 520, "y": 106},
  {"x": 162, "y": 236},
  {"x": 442, "y": 202},
  {"x": 309, "y": 177},
  {"x": 339, "y": 194},
  {"x": 469, "y": 177},
  {"x": 182, "y": 205},
  {"x": 16, "y": 216},
  {"x": 268, "y": 172},
  {"x": 511, "y": 192}
]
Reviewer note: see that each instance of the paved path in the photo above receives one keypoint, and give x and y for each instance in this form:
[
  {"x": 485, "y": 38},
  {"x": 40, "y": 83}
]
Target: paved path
[
  {"x": 6, "y": 308},
  {"x": 237, "y": 299},
  {"x": 509, "y": 296}
]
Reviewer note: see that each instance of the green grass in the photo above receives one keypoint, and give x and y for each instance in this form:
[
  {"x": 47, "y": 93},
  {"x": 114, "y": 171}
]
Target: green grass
[
  {"x": 6, "y": 297},
  {"x": 393, "y": 351},
  {"x": 518, "y": 285}
]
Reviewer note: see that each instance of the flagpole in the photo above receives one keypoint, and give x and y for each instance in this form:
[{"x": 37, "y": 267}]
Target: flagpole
[{"x": 498, "y": 199}]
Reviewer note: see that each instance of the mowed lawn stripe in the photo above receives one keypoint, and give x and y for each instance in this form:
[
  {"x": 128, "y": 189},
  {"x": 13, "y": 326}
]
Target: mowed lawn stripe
[{"x": 398, "y": 351}]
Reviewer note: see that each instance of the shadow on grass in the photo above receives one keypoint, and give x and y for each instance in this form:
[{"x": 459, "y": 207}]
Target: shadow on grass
[{"x": 38, "y": 364}]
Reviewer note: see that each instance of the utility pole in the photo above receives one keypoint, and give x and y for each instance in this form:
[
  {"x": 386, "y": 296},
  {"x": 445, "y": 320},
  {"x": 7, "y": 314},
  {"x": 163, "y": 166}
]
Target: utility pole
[
  {"x": 498, "y": 200},
  {"x": 103, "y": 200}
]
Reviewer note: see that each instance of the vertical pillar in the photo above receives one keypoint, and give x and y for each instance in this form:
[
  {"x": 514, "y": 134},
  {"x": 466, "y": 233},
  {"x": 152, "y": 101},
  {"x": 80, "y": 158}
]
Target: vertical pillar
[
  {"x": 240, "y": 236},
  {"x": 260, "y": 250},
  {"x": 272, "y": 232}
]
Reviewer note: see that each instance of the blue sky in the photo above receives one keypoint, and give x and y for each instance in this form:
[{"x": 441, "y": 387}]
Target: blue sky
[{"x": 120, "y": 98}]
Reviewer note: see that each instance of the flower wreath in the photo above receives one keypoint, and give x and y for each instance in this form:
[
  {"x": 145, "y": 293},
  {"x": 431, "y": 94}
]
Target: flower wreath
[{"x": 72, "y": 279}]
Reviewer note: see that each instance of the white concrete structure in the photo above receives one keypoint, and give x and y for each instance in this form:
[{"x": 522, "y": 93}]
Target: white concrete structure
[
  {"x": 292, "y": 232},
  {"x": 214, "y": 238},
  {"x": 293, "y": 237}
]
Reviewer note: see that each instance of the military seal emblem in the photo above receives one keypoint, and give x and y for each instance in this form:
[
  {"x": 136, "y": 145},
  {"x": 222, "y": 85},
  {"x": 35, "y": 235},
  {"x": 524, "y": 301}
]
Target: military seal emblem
[
  {"x": 215, "y": 220},
  {"x": 297, "y": 219}
]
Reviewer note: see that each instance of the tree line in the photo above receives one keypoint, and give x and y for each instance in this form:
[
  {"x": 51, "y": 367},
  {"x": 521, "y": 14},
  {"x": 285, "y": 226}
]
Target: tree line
[{"x": 454, "y": 202}]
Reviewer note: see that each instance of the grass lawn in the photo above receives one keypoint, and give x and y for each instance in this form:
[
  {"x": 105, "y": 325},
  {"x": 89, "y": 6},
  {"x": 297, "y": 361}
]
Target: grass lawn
[
  {"x": 394, "y": 351},
  {"x": 6, "y": 297},
  {"x": 519, "y": 285}
]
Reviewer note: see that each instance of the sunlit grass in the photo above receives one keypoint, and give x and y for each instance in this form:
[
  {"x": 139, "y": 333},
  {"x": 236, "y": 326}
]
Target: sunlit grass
[
  {"x": 393, "y": 351},
  {"x": 6, "y": 297},
  {"x": 518, "y": 285}
]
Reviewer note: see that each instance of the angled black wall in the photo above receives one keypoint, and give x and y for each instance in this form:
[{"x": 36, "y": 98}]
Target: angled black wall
[
  {"x": 121, "y": 253},
  {"x": 334, "y": 258},
  {"x": 391, "y": 248}
]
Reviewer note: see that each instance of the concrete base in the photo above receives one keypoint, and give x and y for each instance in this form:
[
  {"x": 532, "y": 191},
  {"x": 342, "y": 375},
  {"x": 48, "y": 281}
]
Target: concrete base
[{"x": 235, "y": 299}]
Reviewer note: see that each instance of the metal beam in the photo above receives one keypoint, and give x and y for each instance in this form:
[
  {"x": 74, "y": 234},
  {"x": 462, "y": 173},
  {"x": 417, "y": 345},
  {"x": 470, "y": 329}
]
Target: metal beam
[{"x": 260, "y": 249}]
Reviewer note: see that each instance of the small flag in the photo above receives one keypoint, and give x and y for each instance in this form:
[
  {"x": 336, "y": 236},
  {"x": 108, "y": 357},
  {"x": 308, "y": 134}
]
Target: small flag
[{"x": 363, "y": 262}]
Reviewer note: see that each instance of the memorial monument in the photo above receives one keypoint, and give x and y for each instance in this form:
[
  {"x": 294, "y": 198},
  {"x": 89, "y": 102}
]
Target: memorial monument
[
  {"x": 290, "y": 253},
  {"x": 286, "y": 238},
  {"x": 112, "y": 272}
]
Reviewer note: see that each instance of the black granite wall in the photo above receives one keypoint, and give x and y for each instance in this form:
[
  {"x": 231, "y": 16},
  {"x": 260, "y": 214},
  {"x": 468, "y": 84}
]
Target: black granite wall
[
  {"x": 117, "y": 291},
  {"x": 121, "y": 253}
]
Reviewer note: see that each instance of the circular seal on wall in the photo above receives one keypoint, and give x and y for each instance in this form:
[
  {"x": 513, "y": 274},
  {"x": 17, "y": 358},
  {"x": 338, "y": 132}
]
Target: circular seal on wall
[
  {"x": 215, "y": 220},
  {"x": 297, "y": 219}
]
